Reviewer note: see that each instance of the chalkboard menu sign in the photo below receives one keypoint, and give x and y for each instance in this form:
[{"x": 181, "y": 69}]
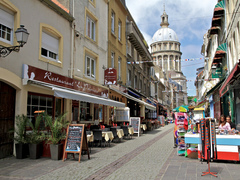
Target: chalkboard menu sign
[
  {"x": 76, "y": 140},
  {"x": 135, "y": 122}
]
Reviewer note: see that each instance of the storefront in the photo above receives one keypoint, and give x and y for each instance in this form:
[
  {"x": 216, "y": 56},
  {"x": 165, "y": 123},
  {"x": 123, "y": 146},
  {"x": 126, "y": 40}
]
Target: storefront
[
  {"x": 55, "y": 94},
  {"x": 137, "y": 105},
  {"x": 229, "y": 93}
]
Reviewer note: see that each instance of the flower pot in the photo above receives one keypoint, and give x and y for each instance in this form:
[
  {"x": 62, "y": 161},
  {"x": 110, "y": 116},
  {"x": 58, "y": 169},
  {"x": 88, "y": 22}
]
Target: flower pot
[
  {"x": 56, "y": 151},
  {"x": 35, "y": 151},
  {"x": 22, "y": 151}
]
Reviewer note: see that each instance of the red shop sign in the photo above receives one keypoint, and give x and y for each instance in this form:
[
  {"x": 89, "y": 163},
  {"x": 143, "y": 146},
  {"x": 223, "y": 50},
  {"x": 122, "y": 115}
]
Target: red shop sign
[
  {"x": 110, "y": 76},
  {"x": 33, "y": 73}
]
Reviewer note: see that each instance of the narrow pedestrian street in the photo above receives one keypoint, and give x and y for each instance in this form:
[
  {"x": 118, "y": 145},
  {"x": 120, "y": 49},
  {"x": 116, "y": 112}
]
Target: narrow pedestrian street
[{"x": 150, "y": 156}]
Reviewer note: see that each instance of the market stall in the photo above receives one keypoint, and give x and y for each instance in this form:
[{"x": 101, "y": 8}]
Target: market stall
[{"x": 227, "y": 145}]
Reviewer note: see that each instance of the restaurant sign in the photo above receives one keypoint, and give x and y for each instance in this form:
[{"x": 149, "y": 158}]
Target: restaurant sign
[
  {"x": 40, "y": 75},
  {"x": 110, "y": 76}
]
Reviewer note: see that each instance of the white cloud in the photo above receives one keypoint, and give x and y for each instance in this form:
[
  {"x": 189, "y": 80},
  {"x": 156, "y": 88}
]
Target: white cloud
[{"x": 190, "y": 19}]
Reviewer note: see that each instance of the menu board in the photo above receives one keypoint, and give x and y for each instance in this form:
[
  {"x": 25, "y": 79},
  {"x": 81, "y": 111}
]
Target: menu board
[
  {"x": 135, "y": 122},
  {"x": 76, "y": 140}
]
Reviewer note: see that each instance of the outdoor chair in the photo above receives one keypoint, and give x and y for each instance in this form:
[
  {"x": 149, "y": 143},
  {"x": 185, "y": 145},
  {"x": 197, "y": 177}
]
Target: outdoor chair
[
  {"x": 114, "y": 131},
  {"x": 125, "y": 131},
  {"x": 97, "y": 136}
]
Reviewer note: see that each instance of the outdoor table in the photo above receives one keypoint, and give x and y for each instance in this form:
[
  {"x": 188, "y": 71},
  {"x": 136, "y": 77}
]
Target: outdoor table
[
  {"x": 108, "y": 135},
  {"x": 120, "y": 133},
  {"x": 130, "y": 130},
  {"x": 143, "y": 126},
  {"x": 90, "y": 137}
]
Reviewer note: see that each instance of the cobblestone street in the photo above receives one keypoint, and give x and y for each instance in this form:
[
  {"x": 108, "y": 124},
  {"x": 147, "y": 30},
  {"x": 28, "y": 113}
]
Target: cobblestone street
[{"x": 150, "y": 156}]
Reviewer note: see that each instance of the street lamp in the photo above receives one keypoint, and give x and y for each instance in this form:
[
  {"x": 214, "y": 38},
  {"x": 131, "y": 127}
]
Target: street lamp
[{"x": 21, "y": 36}]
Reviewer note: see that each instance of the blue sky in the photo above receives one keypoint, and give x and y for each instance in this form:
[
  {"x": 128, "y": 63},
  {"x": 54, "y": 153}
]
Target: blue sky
[{"x": 190, "y": 19}]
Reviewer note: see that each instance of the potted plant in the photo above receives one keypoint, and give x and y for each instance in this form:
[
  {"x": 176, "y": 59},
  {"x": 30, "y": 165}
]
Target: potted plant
[
  {"x": 34, "y": 138},
  {"x": 20, "y": 136},
  {"x": 57, "y": 133}
]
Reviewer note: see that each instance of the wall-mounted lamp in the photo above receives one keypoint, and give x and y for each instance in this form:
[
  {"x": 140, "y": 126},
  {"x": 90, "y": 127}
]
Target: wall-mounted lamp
[
  {"x": 21, "y": 36},
  {"x": 104, "y": 67}
]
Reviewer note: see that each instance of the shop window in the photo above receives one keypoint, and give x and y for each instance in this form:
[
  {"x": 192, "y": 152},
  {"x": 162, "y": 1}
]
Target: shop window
[
  {"x": 85, "y": 111},
  {"x": 38, "y": 104}
]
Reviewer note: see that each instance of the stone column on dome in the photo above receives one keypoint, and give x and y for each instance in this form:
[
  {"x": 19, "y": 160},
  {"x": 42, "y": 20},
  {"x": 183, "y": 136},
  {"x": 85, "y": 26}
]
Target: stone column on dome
[
  {"x": 168, "y": 60},
  {"x": 179, "y": 59}
]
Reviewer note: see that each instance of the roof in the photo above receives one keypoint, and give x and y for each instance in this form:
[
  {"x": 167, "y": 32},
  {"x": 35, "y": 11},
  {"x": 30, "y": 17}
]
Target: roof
[{"x": 165, "y": 34}]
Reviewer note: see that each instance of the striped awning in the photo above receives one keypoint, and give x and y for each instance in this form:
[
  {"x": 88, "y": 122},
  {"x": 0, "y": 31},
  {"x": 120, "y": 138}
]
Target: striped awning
[
  {"x": 219, "y": 9},
  {"x": 222, "y": 49}
]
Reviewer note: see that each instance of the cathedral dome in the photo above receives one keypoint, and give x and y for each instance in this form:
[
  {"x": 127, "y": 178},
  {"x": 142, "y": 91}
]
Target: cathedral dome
[{"x": 165, "y": 34}]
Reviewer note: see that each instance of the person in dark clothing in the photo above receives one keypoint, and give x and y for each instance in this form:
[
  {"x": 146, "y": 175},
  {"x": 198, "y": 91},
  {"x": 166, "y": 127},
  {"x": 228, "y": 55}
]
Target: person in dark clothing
[{"x": 233, "y": 126}]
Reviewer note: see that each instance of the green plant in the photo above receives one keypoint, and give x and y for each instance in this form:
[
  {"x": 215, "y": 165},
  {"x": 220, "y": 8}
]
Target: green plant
[
  {"x": 57, "y": 127},
  {"x": 20, "y": 129},
  {"x": 35, "y": 136}
]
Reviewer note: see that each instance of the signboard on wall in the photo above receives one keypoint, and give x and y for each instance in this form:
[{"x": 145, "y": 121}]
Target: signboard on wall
[
  {"x": 110, "y": 76},
  {"x": 40, "y": 75}
]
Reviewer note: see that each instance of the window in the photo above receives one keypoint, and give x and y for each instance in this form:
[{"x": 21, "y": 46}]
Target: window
[
  {"x": 6, "y": 26},
  {"x": 119, "y": 68},
  {"x": 112, "y": 22},
  {"x": 135, "y": 82},
  {"x": 90, "y": 67},
  {"x": 112, "y": 59},
  {"x": 37, "y": 103},
  {"x": 129, "y": 78},
  {"x": 51, "y": 43},
  {"x": 49, "y": 46},
  {"x": 91, "y": 28},
  {"x": 119, "y": 30}
]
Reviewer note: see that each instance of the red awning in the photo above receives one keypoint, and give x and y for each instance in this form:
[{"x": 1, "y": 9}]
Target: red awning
[
  {"x": 234, "y": 71},
  {"x": 216, "y": 21},
  {"x": 214, "y": 30}
]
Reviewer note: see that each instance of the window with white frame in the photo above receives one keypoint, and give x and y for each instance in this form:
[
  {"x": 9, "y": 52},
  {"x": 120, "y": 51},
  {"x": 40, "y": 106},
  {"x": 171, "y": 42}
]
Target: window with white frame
[
  {"x": 50, "y": 45},
  {"x": 119, "y": 30},
  {"x": 91, "y": 28},
  {"x": 119, "y": 68},
  {"x": 112, "y": 59},
  {"x": 129, "y": 78},
  {"x": 113, "y": 22},
  {"x": 90, "y": 69},
  {"x": 6, "y": 25}
]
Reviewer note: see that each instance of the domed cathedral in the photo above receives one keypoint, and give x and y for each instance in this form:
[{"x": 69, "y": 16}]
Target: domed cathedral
[{"x": 165, "y": 50}]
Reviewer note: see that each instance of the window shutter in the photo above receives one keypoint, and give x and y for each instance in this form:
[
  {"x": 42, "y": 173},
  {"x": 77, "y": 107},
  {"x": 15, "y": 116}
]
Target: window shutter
[
  {"x": 6, "y": 19},
  {"x": 50, "y": 43}
]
